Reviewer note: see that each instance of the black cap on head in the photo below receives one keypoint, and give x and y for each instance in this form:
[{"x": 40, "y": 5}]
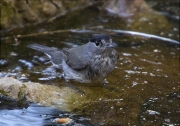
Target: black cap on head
[{"x": 99, "y": 37}]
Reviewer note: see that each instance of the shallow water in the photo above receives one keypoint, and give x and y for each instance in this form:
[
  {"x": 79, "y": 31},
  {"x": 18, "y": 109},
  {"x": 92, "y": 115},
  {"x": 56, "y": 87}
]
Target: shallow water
[
  {"x": 147, "y": 72},
  {"x": 35, "y": 114}
]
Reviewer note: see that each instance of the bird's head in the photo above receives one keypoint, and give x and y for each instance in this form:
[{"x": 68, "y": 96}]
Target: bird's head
[{"x": 102, "y": 40}]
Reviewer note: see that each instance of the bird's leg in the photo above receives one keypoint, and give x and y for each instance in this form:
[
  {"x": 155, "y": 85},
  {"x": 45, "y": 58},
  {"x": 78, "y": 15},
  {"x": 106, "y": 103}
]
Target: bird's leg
[
  {"x": 111, "y": 89},
  {"x": 68, "y": 83},
  {"x": 105, "y": 82}
]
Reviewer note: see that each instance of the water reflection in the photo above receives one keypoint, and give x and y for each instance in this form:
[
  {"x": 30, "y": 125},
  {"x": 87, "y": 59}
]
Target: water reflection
[{"x": 39, "y": 116}]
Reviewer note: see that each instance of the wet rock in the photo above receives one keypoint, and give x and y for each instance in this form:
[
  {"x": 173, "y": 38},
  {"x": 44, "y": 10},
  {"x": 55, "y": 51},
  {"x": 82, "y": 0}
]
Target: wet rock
[
  {"x": 9, "y": 103},
  {"x": 138, "y": 15},
  {"x": 21, "y": 12},
  {"x": 48, "y": 8},
  {"x": 24, "y": 10},
  {"x": 10, "y": 87},
  {"x": 125, "y": 8},
  {"x": 45, "y": 95}
]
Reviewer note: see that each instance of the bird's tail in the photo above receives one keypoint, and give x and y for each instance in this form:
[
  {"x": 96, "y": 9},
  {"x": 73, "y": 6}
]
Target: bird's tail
[
  {"x": 42, "y": 48},
  {"x": 55, "y": 55}
]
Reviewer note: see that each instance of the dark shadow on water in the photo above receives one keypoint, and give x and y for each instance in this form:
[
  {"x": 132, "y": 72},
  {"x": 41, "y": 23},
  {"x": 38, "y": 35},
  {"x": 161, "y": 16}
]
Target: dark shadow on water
[{"x": 16, "y": 114}]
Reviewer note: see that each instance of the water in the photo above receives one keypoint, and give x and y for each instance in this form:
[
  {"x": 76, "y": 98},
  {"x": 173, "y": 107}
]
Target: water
[
  {"x": 34, "y": 114},
  {"x": 143, "y": 88}
]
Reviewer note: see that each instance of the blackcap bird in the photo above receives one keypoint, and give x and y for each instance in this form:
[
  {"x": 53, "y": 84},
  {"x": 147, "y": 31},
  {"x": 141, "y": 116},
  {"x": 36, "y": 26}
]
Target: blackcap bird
[{"x": 88, "y": 63}]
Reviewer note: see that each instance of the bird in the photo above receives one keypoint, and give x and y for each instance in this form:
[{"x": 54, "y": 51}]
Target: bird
[{"x": 88, "y": 63}]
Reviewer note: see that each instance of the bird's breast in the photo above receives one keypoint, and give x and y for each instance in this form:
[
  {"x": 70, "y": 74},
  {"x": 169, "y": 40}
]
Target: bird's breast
[{"x": 102, "y": 65}]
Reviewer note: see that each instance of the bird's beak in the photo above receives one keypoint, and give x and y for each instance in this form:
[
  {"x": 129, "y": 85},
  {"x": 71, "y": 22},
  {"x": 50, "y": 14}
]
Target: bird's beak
[{"x": 110, "y": 45}]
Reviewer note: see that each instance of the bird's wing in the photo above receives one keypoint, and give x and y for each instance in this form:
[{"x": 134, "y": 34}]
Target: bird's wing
[
  {"x": 77, "y": 59},
  {"x": 55, "y": 55}
]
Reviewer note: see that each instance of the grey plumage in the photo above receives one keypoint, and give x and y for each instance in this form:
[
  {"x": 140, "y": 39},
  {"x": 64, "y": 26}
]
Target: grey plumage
[
  {"x": 56, "y": 56},
  {"x": 91, "y": 62}
]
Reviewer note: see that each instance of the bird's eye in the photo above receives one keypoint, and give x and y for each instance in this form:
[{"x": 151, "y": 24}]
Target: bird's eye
[{"x": 98, "y": 42}]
